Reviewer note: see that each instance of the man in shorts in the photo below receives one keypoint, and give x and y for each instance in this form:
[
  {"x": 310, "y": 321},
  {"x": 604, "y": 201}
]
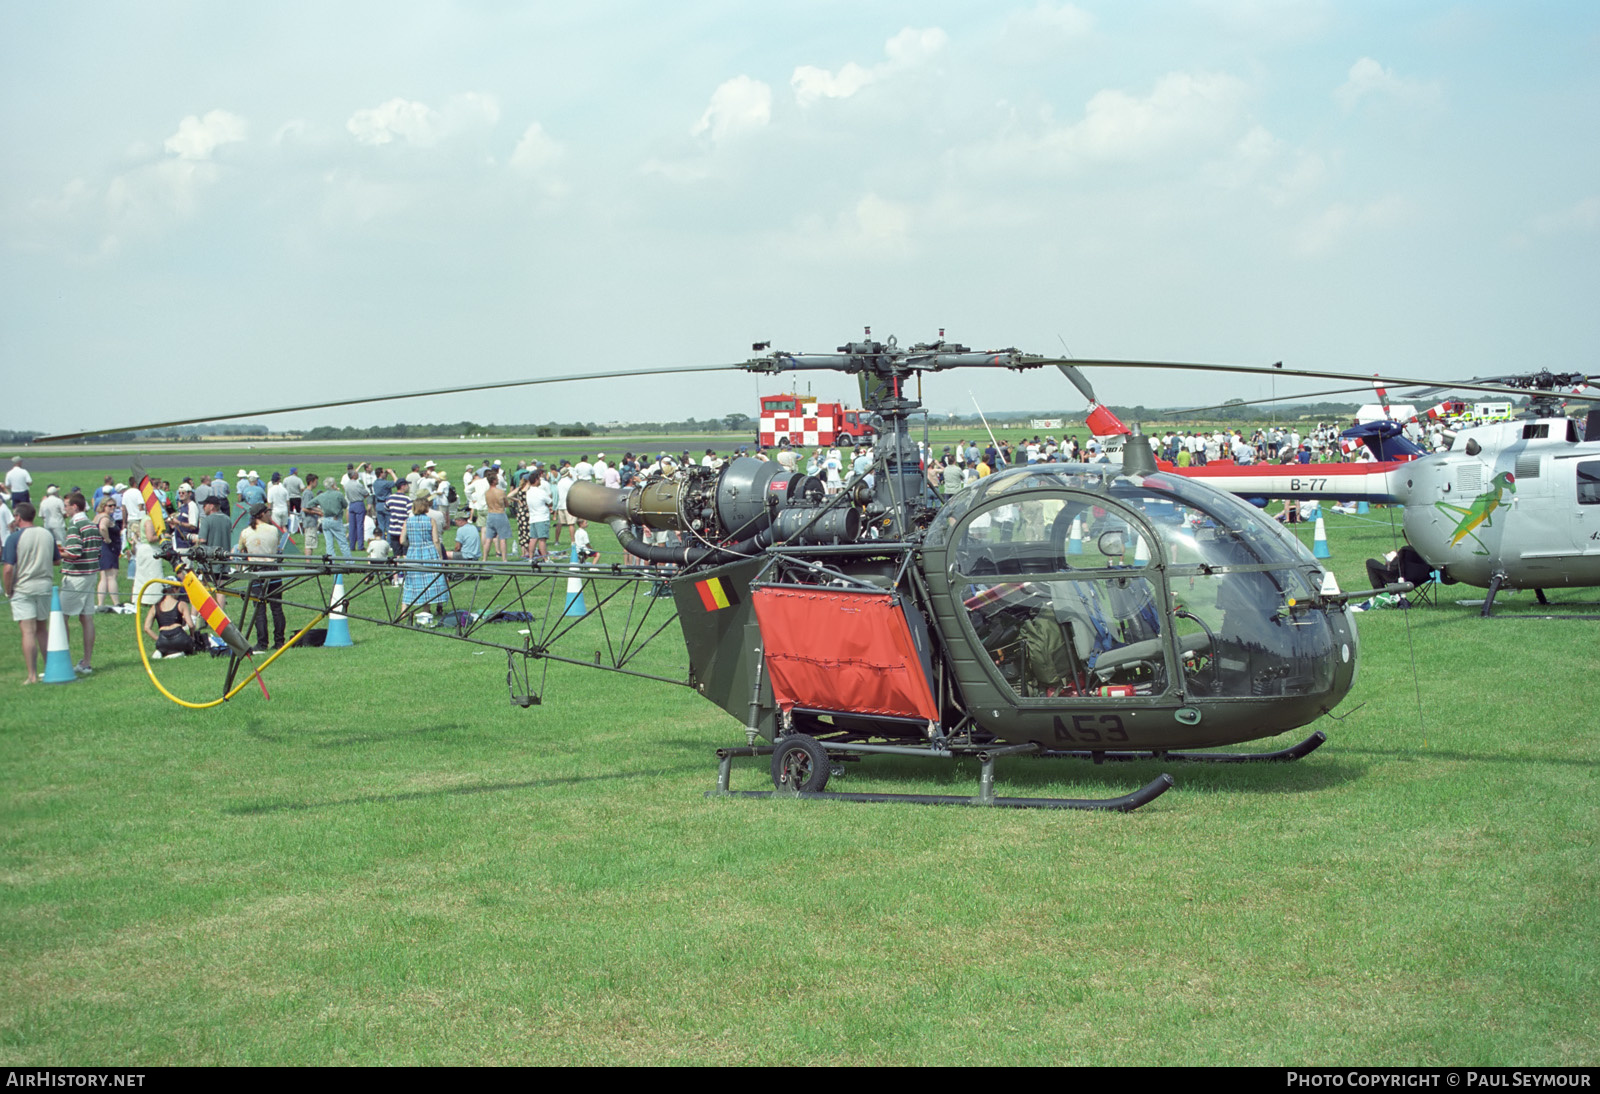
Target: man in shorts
[
  {"x": 29, "y": 558},
  {"x": 80, "y": 573},
  {"x": 497, "y": 524}
]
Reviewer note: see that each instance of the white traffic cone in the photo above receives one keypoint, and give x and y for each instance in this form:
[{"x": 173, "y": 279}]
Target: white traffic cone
[
  {"x": 338, "y": 625},
  {"x": 1319, "y": 543},
  {"x": 58, "y": 654},
  {"x": 574, "y": 589},
  {"x": 1075, "y": 541}
]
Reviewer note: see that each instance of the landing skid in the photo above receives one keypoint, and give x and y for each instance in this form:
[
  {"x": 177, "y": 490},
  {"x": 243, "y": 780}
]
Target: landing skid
[
  {"x": 1283, "y": 755},
  {"x": 985, "y": 796}
]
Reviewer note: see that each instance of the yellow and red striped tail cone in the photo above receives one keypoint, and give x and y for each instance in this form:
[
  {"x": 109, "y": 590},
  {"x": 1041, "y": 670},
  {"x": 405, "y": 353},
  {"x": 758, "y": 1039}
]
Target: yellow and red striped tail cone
[
  {"x": 206, "y": 604},
  {"x": 152, "y": 508}
]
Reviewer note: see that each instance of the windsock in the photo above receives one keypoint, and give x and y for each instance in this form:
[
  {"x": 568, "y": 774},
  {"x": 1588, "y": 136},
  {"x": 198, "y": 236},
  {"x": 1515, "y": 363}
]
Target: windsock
[{"x": 206, "y": 604}]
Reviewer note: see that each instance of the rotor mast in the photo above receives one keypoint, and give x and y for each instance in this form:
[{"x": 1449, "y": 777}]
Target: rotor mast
[{"x": 881, "y": 369}]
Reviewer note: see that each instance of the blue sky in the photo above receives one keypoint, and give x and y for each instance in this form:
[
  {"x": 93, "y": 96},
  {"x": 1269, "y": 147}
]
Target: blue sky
[{"x": 224, "y": 206}]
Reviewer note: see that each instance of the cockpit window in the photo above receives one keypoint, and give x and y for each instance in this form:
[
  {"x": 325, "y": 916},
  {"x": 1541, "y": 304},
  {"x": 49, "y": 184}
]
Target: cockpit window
[
  {"x": 1043, "y": 535},
  {"x": 1080, "y": 586},
  {"x": 1589, "y": 482}
]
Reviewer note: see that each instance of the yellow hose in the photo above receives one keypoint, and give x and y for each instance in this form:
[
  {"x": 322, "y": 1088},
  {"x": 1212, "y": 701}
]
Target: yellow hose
[{"x": 255, "y": 670}]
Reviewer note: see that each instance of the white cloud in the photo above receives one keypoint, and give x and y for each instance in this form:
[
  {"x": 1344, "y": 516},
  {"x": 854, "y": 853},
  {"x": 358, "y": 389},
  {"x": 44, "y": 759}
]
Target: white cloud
[
  {"x": 908, "y": 49},
  {"x": 95, "y": 219},
  {"x": 739, "y": 105},
  {"x": 1329, "y": 228},
  {"x": 397, "y": 119},
  {"x": 1066, "y": 20},
  {"x": 811, "y": 83},
  {"x": 878, "y": 221},
  {"x": 1368, "y": 79},
  {"x": 1578, "y": 218},
  {"x": 874, "y": 228},
  {"x": 350, "y": 199},
  {"x": 197, "y": 137},
  {"x": 536, "y": 151},
  {"x": 536, "y": 156},
  {"x": 419, "y": 124},
  {"x": 1182, "y": 108},
  {"x": 1247, "y": 159},
  {"x": 679, "y": 171},
  {"x": 912, "y": 46}
]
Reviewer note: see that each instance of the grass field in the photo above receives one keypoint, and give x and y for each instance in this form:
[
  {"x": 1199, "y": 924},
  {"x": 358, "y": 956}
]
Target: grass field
[{"x": 386, "y": 863}]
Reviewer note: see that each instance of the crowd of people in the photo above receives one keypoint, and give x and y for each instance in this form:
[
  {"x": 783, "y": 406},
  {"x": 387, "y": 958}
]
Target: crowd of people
[{"x": 490, "y": 510}]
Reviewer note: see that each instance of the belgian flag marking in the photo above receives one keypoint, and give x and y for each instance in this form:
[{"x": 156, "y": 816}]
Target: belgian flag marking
[{"x": 715, "y": 595}]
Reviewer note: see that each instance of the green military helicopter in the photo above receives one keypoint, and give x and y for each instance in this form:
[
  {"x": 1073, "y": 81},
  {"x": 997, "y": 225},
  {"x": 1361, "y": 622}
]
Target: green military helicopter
[
  {"x": 1089, "y": 611},
  {"x": 1093, "y": 611}
]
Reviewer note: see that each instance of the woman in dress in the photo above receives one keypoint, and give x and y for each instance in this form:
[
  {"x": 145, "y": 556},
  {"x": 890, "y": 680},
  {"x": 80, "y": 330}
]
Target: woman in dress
[
  {"x": 420, "y": 537},
  {"x": 146, "y": 564},
  {"x": 110, "y": 552},
  {"x": 517, "y": 509}
]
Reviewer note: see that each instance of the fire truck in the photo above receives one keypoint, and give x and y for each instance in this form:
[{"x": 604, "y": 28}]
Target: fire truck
[{"x": 804, "y": 422}]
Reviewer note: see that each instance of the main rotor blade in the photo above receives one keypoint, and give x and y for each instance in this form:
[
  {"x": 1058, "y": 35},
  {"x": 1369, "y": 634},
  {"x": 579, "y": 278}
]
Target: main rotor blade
[
  {"x": 1266, "y": 399},
  {"x": 1079, "y": 381},
  {"x": 1026, "y": 361},
  {"x": 383, "y": 399}
]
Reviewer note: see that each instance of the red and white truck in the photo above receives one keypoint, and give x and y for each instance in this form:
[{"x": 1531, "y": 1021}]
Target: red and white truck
[{"x": 804, "y": 422}]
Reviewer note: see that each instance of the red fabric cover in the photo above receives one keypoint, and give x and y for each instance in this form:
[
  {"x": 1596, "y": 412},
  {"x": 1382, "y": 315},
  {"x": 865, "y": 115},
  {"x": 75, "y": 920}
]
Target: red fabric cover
[{"x": 839, "y": 649}]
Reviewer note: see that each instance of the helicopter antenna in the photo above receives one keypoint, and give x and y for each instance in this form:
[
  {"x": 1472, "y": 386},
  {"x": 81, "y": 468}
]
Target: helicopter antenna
[{"x": 986, "y": 426}]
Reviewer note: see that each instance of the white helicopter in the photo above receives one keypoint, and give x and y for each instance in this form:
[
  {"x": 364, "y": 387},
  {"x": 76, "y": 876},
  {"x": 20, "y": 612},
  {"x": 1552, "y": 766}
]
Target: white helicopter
[{"x": 1510, "y": 504}]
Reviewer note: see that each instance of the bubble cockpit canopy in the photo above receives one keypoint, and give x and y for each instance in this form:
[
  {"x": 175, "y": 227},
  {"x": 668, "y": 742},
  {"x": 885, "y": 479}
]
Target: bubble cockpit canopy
[{"x": 1076, "y": 580}]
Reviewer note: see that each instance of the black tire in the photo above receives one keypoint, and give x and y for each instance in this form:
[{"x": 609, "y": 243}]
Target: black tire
[
  {"x": 799, "y": 762},
  {"x": 844, "y": 438}
]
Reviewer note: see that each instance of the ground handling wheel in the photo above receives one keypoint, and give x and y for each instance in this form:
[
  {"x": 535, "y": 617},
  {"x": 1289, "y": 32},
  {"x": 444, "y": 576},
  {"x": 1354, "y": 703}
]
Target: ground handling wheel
[{"x": 799, "y": 762}]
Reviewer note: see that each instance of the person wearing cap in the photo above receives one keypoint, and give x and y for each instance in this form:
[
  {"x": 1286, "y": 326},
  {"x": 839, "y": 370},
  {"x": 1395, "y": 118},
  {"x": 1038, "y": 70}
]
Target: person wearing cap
[
  {"x": 382, "y": 489},
  {"x": 329, "y": 509},
  {"x": 563, "y": 519},
  {"x": 310, "y": 514},
  {"x": 214, "y": 529},
  {"x": 53, "y": 514},
  {"x": 18, "y": 481},
  {"x": 252, "y": 493},
  {"x": 540, "y": 500},
  {"x": 185, "y": 517},
  {"x": 258, "y": 542},
  {"x": 356, "y": 496},
  {"x": 296, "y": 486},
  {"x": 469, "y": 543},
  {"x": 278, "y": 498}
]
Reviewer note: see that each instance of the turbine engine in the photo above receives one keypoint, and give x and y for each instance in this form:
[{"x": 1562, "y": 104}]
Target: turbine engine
[{"x": 746, "y": 505}]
